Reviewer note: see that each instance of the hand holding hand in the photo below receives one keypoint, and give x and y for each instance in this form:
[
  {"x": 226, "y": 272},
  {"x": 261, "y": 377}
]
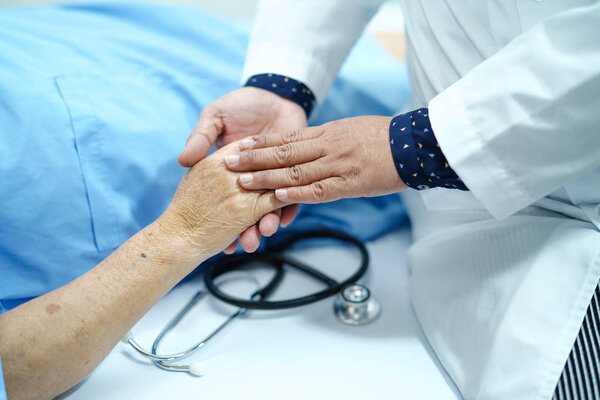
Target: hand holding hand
[
  {"x": 210, "y": 210},
  {"x": 341, "y": 159},
  {"x": 243, "y": 112}
]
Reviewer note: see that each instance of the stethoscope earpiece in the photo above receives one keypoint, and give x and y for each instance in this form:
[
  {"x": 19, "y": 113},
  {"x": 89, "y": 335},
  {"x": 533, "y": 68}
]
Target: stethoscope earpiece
[{"x": 197, "y": 368}]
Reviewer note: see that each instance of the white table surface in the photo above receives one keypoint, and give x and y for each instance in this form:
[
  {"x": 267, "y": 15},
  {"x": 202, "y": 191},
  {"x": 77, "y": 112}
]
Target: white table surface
[{"x": 303, "y": 353}]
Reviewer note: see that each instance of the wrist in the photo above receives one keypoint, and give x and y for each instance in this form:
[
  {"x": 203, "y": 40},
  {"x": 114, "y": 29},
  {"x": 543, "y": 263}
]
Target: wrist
[
  {"x": 387, "y": 168},
  {"x": 173, "y": 243}
]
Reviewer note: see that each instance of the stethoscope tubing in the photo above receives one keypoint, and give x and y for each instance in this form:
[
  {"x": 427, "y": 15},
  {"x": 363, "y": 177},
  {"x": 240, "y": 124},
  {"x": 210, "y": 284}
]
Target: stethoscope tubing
[
  {"x": 277, "y": 260},
  {"x": 257, "y": 301}
]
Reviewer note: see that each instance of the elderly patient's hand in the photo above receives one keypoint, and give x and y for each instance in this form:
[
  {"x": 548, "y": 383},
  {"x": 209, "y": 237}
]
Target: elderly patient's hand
[
  {"x": 45, "y": 341},
  {"x": 243, "y": 112},
  {"x": 211, "y": 209}
]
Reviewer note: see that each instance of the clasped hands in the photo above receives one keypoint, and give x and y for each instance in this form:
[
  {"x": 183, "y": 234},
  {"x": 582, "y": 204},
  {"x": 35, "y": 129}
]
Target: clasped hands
[{"x": 274, "y": 150}]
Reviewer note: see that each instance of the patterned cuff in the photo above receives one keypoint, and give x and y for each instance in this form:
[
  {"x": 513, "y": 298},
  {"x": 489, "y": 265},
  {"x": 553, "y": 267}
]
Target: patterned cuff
[
  {"x": 417, "y": 155},
  {"x": 285, "y": 87}
]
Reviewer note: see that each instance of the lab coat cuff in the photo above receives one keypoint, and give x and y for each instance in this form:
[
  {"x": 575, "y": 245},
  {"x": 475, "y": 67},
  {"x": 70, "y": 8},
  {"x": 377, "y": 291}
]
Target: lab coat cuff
[
  {"x": 303, "y": 67},
  {"x": 467, "y": 153},
  {"x": 285, "y": 87}
]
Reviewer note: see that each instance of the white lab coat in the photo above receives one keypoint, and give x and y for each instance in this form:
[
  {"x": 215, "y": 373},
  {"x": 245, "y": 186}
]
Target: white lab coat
[{"x": 501, "y": 275}]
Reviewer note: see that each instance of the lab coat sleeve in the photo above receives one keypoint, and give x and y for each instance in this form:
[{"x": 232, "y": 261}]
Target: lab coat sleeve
[
  {"x": 526, "y": 121},
  {"x": 306, "y": 39}
]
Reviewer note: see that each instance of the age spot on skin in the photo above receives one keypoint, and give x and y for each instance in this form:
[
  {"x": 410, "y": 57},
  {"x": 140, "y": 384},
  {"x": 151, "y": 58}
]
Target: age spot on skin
[{"x": 52, "y": 308}]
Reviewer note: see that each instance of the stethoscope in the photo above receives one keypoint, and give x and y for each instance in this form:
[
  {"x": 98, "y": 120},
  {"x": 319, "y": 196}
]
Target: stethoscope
[{"x": 353, "y": 306}]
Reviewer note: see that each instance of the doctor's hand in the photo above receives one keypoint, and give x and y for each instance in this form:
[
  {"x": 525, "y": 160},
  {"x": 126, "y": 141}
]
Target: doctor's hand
[
  {"x": 342, "y": 159},
  {"x": 240, "y": 113}
]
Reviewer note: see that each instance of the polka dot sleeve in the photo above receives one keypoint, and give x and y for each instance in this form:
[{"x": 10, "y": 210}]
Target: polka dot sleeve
[
  {"x": 417, "y": 155},
  {"x": 285, "y": 87}
]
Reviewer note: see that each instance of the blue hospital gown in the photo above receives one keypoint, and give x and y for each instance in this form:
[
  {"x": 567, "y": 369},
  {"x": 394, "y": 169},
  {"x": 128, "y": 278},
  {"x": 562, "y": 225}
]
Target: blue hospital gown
[{"x": 96, "y": 102}]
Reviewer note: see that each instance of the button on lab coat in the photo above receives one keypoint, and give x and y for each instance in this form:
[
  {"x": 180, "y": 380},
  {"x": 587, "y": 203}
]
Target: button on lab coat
[{"x": 501, "y": 275}]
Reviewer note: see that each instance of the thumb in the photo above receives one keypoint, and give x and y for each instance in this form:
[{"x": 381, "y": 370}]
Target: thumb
[{"x": 208, "y": 128}]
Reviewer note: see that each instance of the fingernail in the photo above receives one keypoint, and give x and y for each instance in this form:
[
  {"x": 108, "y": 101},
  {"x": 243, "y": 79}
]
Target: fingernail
[
  {"x": 281, "y": 194},
  {"x": 246, "y": 178},
  {"x": 247, "y": 143},
  {"x": 232, "y": 159},
  {"x": 219, "y": 141}
]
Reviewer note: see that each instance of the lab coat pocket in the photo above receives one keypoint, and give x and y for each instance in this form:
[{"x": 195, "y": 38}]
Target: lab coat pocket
[{"x": 128, "y": 130}]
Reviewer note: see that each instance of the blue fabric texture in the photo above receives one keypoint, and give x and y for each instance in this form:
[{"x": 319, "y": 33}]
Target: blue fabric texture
[
  {"x": 2, "y": 387},
  {"x": 417, "y": 154},
  {"x": 286, "y": 87},
  {"x": 96, "y": 102}
]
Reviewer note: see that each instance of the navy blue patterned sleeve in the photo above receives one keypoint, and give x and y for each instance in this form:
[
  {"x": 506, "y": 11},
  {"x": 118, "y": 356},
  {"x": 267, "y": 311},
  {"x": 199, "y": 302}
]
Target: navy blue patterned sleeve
[
  {"x": 417, "y": 155},
  {"x": 286, "y": 87}
]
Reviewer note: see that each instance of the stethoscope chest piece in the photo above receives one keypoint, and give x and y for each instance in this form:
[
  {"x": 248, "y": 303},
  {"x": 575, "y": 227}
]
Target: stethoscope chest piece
[{"x": 355, "y": 305}]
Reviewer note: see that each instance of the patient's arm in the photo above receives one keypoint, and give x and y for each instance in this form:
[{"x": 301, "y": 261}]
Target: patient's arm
[{"x": 52, "y": 342}]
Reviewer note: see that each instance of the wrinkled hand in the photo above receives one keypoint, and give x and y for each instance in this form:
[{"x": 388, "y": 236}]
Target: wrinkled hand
[
  {"x": 342, "y": 159},
  {"x": 210, "y": 210},
  {"x": 243, "y": 112}
]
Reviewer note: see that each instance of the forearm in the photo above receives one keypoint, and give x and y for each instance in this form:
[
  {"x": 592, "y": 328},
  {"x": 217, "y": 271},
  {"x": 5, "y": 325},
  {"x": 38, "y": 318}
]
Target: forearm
[{"x": 52, "y": 342}]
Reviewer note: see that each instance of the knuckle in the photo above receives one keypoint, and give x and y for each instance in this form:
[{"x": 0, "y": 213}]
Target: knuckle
[
  {"x": 294, "y": 175},
  {"x": 260, "y": 141},
  {"x": 318, "y": 190},
  {"x": 249, "y": 156},
  {"x": 283, "y": 154},
  {"x": 291, "y": 136},
  {"x": 352, "y": 172}
]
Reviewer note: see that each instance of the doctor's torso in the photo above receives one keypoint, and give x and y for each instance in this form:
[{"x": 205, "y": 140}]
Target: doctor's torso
[{"x": 501, "y": 301}]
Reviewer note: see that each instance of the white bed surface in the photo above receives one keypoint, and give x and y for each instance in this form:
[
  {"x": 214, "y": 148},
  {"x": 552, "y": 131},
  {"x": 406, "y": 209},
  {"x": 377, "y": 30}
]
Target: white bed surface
[{"x": 301, "y": 353}]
